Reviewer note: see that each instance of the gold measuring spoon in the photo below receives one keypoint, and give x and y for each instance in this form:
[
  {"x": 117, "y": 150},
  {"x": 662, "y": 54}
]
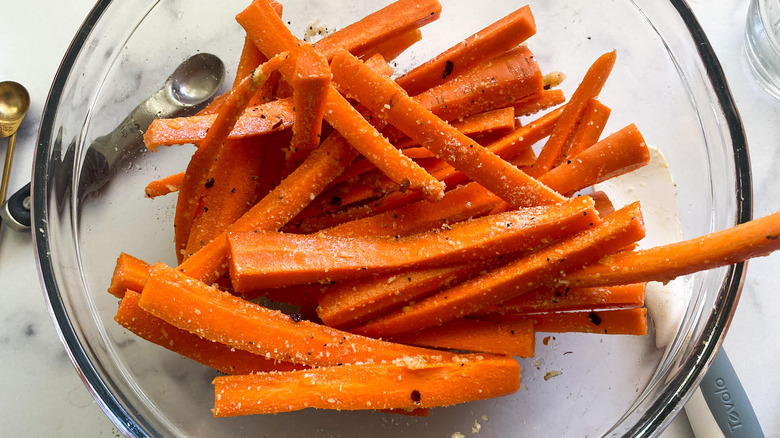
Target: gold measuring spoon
[{"x": 14, "y": 103}]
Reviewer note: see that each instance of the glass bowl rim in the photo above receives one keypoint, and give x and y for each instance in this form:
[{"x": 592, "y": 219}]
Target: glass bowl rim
[{"x": 660, "y": 413}]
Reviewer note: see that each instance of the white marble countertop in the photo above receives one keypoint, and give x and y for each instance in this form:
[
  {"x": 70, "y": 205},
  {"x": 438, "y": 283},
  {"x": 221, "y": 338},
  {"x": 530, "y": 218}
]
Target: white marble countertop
[{"x": 42, "y": 395}]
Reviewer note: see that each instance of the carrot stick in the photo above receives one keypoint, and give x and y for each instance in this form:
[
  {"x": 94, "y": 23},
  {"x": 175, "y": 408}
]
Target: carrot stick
[
  {"x": 218, "y": 356},
  {"x": 548, "y": 299},
  {"x": 470, "y": 200},
  {"x": 538, "y": 102},
  {"x": 515, "y": 278},
  {"x": 521, "y": 139},
  {"x": 500, "y": 121},
  {"x": 602, "y": 203},
  {"x": 512, "y": 147},
  {"x": 486, "y": 44},
  {"x": 129, "y": 273},
  {"x": 218, "y": 316},
  {"x": 555, "y": 149},
  {"x": 400, "y": 385},
  {"x": 380, "y": 65},
  {"x": 608, "y": 322},
  {"x": 352, "y": 302},
  {"x": 302, "y": 295},
  {"x": 396, "y": 19},
  {"x": 273, "y": 161},
  {"x": 211, "y": 108},
  {"x": 372, "y": 145},
  {"x": 257, "y": 120},
  {"x": 494, "y": 121},
  {"x": 230, "y": 191},
  {"x": 589, "y": 129},
  {"x": 377, "y": 93},
  {"x": 261, "y": 260},
  {"x": 392, "y": 48},
  {"x": 163, "y": 186},
  {"x": 619, "y": 153},
  {"x": 493, "y": 84},
  {"x": 755, "y": 238},
  {"x": 615, "y": 155},
  {"x": 273, "y": 37},
  {"x": 276, "y": 209},
  {"x": 249, "y": 60},
  {"x": 198, "y": 169},
  {"x": 310, "y": 83},
  {"x": 513, "y": 338}
]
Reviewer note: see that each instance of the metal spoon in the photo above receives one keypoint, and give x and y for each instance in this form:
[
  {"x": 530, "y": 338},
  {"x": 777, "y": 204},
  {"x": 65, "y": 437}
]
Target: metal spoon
[
  {"x": 186, "y": 91},
  {"x": 14, "y": 103}
]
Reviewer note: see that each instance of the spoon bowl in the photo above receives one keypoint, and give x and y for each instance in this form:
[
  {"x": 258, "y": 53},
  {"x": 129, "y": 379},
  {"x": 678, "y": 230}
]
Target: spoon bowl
[
  {"x": 197, "y": 79},
  {"x": 14, "y": 103}
]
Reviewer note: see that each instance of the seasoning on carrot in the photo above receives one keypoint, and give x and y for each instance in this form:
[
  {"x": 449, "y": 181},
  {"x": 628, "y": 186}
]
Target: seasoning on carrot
[
  {"x": 515, "y": 278},
  {"x": 486, "y": 44},
  {"x": 310, "y": 90},
  {"x": 513, "y": 338},
  {"x": 404, "y": 384},
  {"x": 219, "y": 316},
  {"x": 218, "y": 356},
  {"x": 377, "y": 93},
  {"x": 163, "y": 186},
  {"x": 270, "y": 259},
  {"x": 555, "y": 150}
]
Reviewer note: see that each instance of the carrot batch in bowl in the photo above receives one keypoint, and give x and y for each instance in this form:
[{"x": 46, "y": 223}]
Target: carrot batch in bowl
[{"x": 421, "y": 231}]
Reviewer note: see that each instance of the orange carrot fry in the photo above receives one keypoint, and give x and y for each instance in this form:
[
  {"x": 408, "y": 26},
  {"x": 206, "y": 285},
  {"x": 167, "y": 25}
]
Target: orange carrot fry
[
  {"x": 496, "y": 83},
  {"x": 589, "y": 129},
  {"x": 488, "y": 43},
  {"x": 272, "y": 37},
  {"x": 278, "y": 207},
  {"x": 218, "y": 356},
  {"x": 198, "y": 169},
  {"x": 163, "y": 186},
  {"x": 396, "y": 19},
  {"x": 400, "y": 385},
  {"x": 349, "y": 303},
  {"x": 129, "y": 273},
  {"x": 230, "y": 191},
  {"x": 461, "y": 203},
  {"x": 554, "y": 150},
  {"x": 372, "y": 145},
  {"x": 310, "y": 83},
  {"x": 257, "y": 120},
  {"x": 515, "y": 278},
  {"x": 500, "y": 121},
  {"x": 538, "y": 102},
  {"x": 608, "y": 322},
  {"x": 521, "y": 139},
  {"x": 548, "y": 299},
  {"x": 380, "y": 65},
  {"x": 513, "y": 338},
  {"x": 377, "y": 93},
  {"x": 218, "y": 316},
  {"x": 249, "y": 60},
  {"x": 261, "y": 260},
  {"x": 392, "y": 48},
  {"x": 619, "y": 153},
  {"x": 755, "y": 238},
  {"x": 602, "y": 203}
]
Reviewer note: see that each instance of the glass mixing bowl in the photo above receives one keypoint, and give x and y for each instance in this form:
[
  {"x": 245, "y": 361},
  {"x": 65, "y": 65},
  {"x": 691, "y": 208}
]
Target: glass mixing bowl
[{"x": 666, "y": 80}]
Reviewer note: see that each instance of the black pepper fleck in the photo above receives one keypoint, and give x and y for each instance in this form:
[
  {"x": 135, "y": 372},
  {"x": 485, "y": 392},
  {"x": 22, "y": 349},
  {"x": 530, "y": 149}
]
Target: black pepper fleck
[{"x": 448, "y": 67}]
